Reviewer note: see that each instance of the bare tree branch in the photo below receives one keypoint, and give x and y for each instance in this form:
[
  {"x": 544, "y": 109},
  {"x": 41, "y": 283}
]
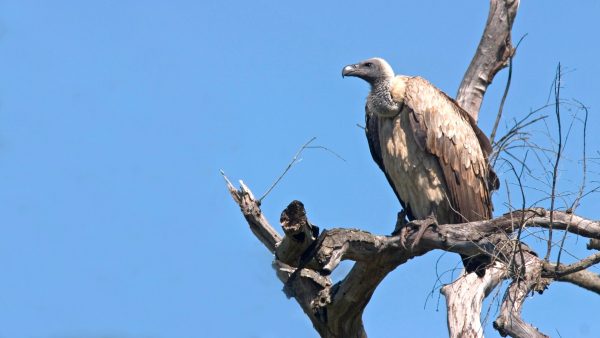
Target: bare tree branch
[
  {"x": 493, "y": 53},
  {"x": 556, "y": 270},
  {"x": 300, "y": 235},
  {"x": 250, "y": 208},
  {"x": 505, "y": 95},
  {"x": 539, "y": 217},
  {"x": 464, "y": 299},
  {"x": 580, "y": 193},
  {"x": 289, "y": 166},
  {"x": 304, "y": 262},
  {"x": 557, "y": 84},
  {"x": 585, "y": 279},
  {"x": 509, "y": 322}
]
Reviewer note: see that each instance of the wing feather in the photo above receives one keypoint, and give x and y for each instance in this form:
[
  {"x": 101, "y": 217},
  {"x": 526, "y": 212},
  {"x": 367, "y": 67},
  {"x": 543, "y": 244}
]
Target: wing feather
[{"x": 442, "y": 128}]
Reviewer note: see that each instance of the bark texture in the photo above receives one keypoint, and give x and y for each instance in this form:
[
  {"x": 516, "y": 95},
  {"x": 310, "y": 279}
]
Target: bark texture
[
  {"x": 493, "y": 53},
  {"x": 464, "y": 300},
  {"x": 335, "y": 310}
]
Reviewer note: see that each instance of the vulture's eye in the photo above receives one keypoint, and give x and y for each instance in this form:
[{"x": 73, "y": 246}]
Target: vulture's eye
[{"x": 368, "y": 64}]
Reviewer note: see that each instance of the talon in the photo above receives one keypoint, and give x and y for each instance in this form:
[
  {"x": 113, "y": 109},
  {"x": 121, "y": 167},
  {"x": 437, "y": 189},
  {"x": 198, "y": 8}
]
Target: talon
[
  {"x": 404, "y": 233},
  {"x": 423, "y": 225}
]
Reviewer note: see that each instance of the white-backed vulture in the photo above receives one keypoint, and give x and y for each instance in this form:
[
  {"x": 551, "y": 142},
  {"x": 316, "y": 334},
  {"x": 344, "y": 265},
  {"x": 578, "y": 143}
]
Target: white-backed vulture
[{"x": 429, "y": 148}]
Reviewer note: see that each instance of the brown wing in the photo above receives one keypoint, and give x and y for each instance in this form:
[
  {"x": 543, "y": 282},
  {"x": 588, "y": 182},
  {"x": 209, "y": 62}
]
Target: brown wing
[
  {"x": 484, "y": 142},
  {"x": 443, "y": 129}
]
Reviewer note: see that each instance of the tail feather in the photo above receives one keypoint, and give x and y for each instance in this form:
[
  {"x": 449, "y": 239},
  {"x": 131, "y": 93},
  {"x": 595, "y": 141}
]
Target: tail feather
[{"x": 476, "y": 264}]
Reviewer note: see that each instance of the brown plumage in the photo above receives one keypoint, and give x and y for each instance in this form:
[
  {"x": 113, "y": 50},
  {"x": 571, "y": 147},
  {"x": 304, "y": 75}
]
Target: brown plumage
[{"x": 430, "y": 149}]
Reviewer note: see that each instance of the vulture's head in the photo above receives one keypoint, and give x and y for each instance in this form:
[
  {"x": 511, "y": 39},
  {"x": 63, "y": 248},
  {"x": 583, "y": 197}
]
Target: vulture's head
[{"x": 371, "y": 70}]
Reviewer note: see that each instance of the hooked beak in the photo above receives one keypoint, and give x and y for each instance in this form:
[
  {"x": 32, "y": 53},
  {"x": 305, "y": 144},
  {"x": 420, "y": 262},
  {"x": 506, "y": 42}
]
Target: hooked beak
[{"x": 349, "y": 70}]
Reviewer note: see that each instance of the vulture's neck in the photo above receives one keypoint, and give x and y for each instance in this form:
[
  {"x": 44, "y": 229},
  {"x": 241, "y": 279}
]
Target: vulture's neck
[{"x": 380, "y": 99}]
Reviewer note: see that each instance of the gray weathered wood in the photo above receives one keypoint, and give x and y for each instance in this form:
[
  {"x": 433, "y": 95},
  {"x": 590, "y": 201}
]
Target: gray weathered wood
[
  {"x": 299, "y": 234},
  {"x": 492, "y": 54},
  {"x": 250, "y": 208},
  {"x": 585, "y": 279},
  {"x": 336, "y": 309},
  {"x": 464, "y": 299},
  {"x": 509, "y": 322}
]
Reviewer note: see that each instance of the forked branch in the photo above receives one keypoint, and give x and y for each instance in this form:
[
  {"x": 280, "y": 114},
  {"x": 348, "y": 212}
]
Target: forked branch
[
  {"x": 509, "y": 322},
  {"x": 305, "y": 259}
]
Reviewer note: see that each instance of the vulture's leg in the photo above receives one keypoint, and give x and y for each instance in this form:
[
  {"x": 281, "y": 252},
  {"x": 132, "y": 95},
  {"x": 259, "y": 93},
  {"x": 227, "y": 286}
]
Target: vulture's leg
[
  {"x": 401, "y": 228},
  {"x": 423, "y": 225},
  {"x": 404, "y": 229},
  {"x": 400, "y": 222}
]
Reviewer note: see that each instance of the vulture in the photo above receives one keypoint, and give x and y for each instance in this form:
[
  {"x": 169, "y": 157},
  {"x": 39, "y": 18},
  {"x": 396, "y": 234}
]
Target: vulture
[{"x": 430, "y": 149}]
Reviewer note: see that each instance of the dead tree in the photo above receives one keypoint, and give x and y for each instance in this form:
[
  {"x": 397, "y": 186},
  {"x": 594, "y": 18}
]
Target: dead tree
[{"x": 305, "y": 257}]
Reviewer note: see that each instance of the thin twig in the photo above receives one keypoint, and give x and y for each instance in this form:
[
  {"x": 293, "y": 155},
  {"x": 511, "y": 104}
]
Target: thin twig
[
  {"x": 557, "y": 161},
  {"x": 581, "y": 187},
  {"x": 522, "y": 123},
  {"x": 522, "y": 220},
  {"x": 501, "y": 107},
  {"x": 289, "y": 166},
  {"x": 516, "y": 130},
  {"x": 295, "y": 159},
  {"x": 584, "y": 165},
  {"x": 328, "y": 150},
  {"x": 510, "y": 67}
]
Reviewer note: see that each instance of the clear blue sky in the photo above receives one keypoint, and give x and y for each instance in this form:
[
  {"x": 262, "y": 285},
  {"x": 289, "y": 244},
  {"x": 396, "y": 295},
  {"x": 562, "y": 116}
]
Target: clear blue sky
[{"x": 116, "y": 116}]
